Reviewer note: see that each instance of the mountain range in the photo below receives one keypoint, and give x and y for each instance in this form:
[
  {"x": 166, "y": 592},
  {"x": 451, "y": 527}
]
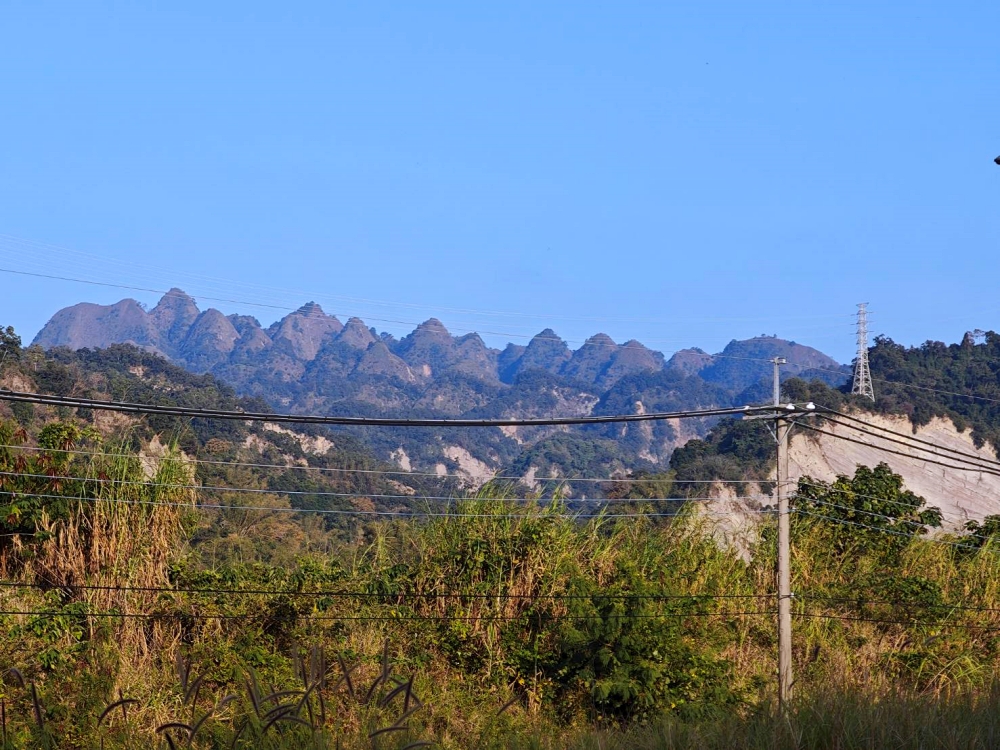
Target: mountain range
[{"x": 313, "y": 362}]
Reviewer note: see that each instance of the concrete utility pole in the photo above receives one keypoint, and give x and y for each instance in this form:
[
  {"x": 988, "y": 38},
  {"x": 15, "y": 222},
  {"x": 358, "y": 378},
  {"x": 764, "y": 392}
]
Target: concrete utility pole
[
  {"x": 784, "y": 572},
  {"x": 784, "y": 418},
  {"x": 782, "y": 427}
]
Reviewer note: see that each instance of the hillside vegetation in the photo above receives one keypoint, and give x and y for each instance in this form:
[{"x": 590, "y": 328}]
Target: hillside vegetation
[
  {"x": 137, "y": 613},
  {"x": 936, "y": 379}
]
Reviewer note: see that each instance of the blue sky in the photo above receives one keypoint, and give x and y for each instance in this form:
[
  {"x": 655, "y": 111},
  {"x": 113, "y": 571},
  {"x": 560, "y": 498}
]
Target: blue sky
[{"x": 680, "y": 173}]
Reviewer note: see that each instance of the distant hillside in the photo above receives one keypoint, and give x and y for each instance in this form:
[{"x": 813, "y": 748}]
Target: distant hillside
[
  {"x": 275, "y": 458},
  {"x": 945, "y": 394},
  {"x": 312, "y": 362},
  {"x": 958, "y": 381},
  {"x": 742, "y": 365}
]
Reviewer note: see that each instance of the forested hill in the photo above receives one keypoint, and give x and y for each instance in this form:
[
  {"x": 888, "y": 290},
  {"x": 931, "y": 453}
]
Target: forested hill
[
  {"x": 301, "y": 467},
  {"x": 960, "y": 381},
  {"x": 313, "y": 362}
]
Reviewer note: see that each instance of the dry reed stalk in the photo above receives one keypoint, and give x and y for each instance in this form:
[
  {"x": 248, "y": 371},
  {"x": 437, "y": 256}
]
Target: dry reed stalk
[{"x": 116, "y": 543}]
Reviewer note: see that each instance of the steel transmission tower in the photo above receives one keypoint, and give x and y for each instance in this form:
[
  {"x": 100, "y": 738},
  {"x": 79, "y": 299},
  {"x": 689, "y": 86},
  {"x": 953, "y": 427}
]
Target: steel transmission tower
[{"x": 862, "y": 375}]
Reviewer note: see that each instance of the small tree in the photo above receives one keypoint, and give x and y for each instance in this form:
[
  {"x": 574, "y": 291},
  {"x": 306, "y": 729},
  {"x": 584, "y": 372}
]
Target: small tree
[
  {"x": 10, "y": 344},
  {"x": 875, "y": 513}
]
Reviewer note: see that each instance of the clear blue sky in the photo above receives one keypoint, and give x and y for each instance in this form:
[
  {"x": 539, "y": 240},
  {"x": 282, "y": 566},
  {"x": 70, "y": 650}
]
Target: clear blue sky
[{"x": 680, "y": 173}]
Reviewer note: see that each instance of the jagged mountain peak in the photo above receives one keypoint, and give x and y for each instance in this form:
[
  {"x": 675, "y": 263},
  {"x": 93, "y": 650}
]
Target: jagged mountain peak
[
  {"x": 430, "y": 350},
  {"x": 630, "y": 358},
  {"x": 600, "y": 339},
  {"x": 356, "y": 334},
  {"x": 546, "y": 351},
  {"x": 690, "y": 361},
  {"x": 308, "y": 361},
  {"x": 378, "y": 360},
  {"x": 769, "y": 347},
  {"x": 173, "y": 317},
  {"x": 87, "y": 325},
  {"x": 252, "y": 337},
  {"x": 590, "y": 361},
  {"x": 209, "y": 340},
  {"x": 548, "y": 334},
  {"x": 471, "y": 338},
  {"x": 432, "y": 326},
  {"x": 745, "y": 362},
  {"x": 304, "y": 332},
  {"x": 311, "y": 309},
  {"x": 175, "y": 297}
]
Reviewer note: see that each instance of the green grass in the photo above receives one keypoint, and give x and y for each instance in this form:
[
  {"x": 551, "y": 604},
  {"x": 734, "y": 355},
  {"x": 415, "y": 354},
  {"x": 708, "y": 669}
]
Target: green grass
[
  {"x": 520, "y": 628},
  {"x": 824, "y": 721}
]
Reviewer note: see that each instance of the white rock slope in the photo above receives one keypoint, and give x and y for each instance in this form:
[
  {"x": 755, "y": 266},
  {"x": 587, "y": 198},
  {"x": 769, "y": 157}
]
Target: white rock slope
[{"x": 961, "y": 495}]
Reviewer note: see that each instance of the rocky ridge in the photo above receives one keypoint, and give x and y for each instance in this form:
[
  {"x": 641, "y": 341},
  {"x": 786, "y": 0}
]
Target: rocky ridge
[{"x": 311, "y": 361}]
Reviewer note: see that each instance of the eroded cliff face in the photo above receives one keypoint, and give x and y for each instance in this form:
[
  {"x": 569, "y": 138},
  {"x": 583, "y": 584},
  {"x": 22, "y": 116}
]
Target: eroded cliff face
[{"x": 961, "y": 495}]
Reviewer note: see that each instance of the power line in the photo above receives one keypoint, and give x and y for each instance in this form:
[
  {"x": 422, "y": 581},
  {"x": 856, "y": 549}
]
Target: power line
[
  {"x": 324, "y": 493},
  {"x": 915, "y": 386},
  {"x": 841, "y": 491},
  {"x": 90, "y": 258},
  {"x": 971, "y": 462},
  {"x": 851, "y": 509},
  {"x": 196, "y": 413},
  {"x": 967, "y": 535},
  {"x": 894, "y": 519},
  {"x": 963, "y": 458},
  {"x": 903, "y": 435},
  {"x": 498, "y": 333},
  {"x": 600, "y": 515},
  {"x": 900, "y": 503},
  {"x": 370, "y": 618},
  {"x": 339, "y": 593},
  {"x": 883, "y": 530},
  {"x": 286, "y": 309},
  {"x": 938, "y": 390},
  {"x": 861, "y": 601},
  {"x": 324, "y": 469},
  {"x": 900, "y": 453},
  {"x": 922, "y": 623},
  {"x": 430, "y": 595}
]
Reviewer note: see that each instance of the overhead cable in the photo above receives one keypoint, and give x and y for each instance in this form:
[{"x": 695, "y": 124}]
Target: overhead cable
[
  {"x": 265, "y": 616},
  {"x": 976, "y": 468},
  {"x": 969, "y": 459},
  {"x": 339, "y": 593},
  {"x": 911, "y": 623},
  {"x": 287, "y": 309},
  {"x": 883, "y": 530},
  {"x": 339, "y": 470},
  {"x": 599, "y": 515},
  {"x": 198, "y": 413},
  {"x": 903, "y": 435},
  {"x": 322, "y": 493}
]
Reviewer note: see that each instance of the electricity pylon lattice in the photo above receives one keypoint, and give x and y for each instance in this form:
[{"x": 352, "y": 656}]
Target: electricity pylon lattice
[{"x": 862, "y": 375}]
